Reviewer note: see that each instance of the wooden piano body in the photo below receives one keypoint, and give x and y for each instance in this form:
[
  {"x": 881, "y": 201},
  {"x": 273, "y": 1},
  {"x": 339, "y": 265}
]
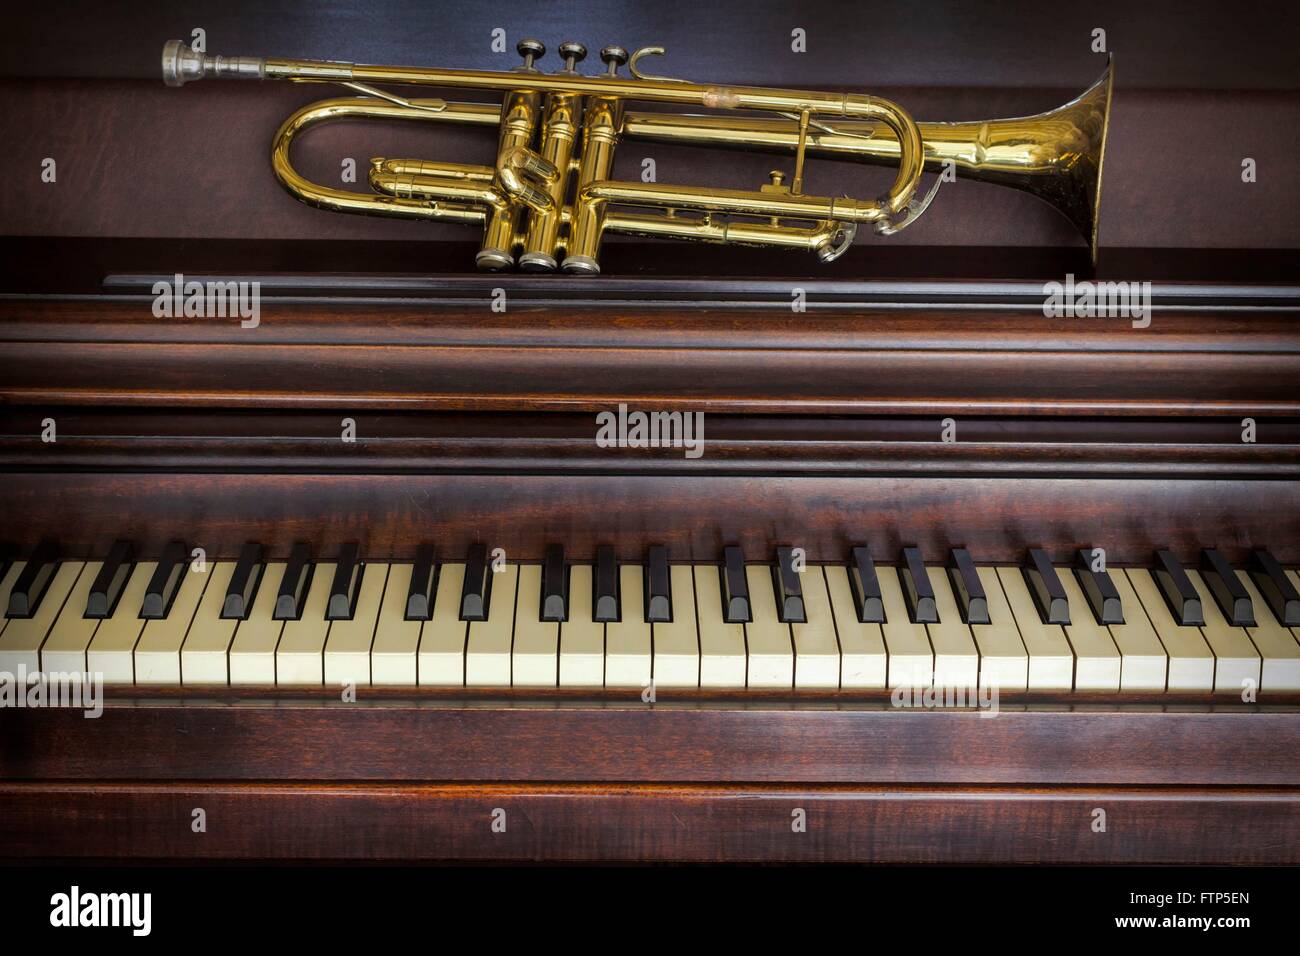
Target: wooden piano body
[
  {"x": 476, "y": 428},
  {"x": 824, "y": 429}
]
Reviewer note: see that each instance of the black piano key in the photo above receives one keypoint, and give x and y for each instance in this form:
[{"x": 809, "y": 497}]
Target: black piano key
[
  {"x": 555, "y": 585},
  {"x": 348, "y": 572},
  {"x": 111, "y": 580},
  {"x": 788, "y": 589},
  {"x": 917, "y": 588},
  {"x": 293, "y": 588},
  {"x": 604, "y": 587},
  {"x": 735, "y": 588},
  {"x": 34, "y": 580},
  {"x": 1103, "y": 597},
  {"x": 866, "y": 587},
  {"x": 658, "y": 583},
  {"x": 419, "y": 596},
  {"x": 1177, "y": 588},
  {"x": 1049, "y": 594},
  {"x": 1276, "y": 588},
  {"x": 477, "y": 590},
  {"x": 969, "y": 588},
  {"x": 1229, "y": 593},
  {"x": 242, "y": 589},
  {"x": 166, "y": 581}
]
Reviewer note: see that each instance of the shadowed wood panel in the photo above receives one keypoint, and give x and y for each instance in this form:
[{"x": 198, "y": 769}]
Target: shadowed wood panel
[
  {"x": 650, "y": 823},
  {"x": 481, "y": 738},
  {"x": 695, "y": 516}
]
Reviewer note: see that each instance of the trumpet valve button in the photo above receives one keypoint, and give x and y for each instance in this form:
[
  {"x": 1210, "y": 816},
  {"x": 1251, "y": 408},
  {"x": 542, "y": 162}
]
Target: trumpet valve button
[
  {"x": 530, "y": 50},
  {"x": 613, "y": 57},
  {"x": 573, "y": 53}
]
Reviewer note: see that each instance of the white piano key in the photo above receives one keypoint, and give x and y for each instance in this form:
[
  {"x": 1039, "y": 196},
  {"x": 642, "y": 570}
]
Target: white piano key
[
  {"x": 911, "y": 657},
  {"x": 158, "y": 652},
  {"x": 64, "y": 650},
  {"x": 1191, "y": 665},
  {"x": 535, "y": 657},
  {"x": 204, "y": 655},
  {"x": 629, "y": 649},
  {"x": 1278, "y": 648},
  {"x": 582, "y": 640},
  {"x": 252, "y": 652},
  {"x": 1143, "y": 661},
  {"x": 1051, "y": 661},
  {"x": 347, "y": 648},
  {"x": 393, "y": 659},
  {"x": 300, "y": 655},
  {"x": 1097, "y": 661},
  {"x": 22, "y": 637},
  {"x": 767, "y": 637},
  {"x": 722, "y": 645},
  {"x": 487, "y": 649},
  {"x": 863, "y": 661},
  {"x": 1236, "y": 662},
  {"x": 816, "y": 647},
  {"x": 677, "y": 642},
  {"x": 111, "y": 651},
  {"x": 956, "y": 659},
  {"x": 1004, "y": 662},
  {"x": 441, "y": 659}
]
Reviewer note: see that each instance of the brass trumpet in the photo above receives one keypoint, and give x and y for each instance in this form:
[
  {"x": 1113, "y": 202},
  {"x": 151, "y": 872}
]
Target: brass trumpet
[{"x": 547, "y": 201}]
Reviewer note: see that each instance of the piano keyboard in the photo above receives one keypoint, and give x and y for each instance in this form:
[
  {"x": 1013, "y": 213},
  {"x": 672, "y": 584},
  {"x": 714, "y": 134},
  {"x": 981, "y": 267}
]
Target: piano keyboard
[{"x": 726, "y": 625}]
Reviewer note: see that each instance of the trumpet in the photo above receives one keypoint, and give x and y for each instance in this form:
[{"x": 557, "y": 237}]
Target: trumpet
[{"x": 547, "y": 201}]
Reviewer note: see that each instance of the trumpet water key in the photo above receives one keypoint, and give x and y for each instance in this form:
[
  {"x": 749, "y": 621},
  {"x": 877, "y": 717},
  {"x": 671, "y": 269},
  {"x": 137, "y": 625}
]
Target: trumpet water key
[{"x": 548, "y": 199}]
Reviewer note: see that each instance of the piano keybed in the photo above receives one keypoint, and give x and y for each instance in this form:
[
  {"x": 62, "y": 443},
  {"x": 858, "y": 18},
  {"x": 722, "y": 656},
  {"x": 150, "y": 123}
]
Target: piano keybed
[{"x": 731, "y": 624}]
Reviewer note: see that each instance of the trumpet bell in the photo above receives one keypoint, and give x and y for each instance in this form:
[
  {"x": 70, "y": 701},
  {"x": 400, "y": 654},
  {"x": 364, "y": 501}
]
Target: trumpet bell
[{"x": 1063, "y": 153}]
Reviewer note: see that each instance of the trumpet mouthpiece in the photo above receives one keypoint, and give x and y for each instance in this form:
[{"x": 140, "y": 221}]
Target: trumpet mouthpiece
[{"x": 181, "y": 64}]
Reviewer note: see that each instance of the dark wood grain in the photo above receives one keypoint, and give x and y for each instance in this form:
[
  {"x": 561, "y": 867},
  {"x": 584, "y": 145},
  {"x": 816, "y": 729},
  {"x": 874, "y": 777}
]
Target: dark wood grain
[
  {"x": 522, "y": 739},
  {"x": 361, "y": 357},
  {"x": 80, "y": 265},
  {"x": 476, "y": 428},
  {"x": 650, "y": 823},
  {"x": 694, "y": 516}
]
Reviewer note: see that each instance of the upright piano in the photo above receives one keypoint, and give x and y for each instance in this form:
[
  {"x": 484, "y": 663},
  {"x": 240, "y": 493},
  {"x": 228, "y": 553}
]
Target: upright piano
[{"x": 395, "y": 574}]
